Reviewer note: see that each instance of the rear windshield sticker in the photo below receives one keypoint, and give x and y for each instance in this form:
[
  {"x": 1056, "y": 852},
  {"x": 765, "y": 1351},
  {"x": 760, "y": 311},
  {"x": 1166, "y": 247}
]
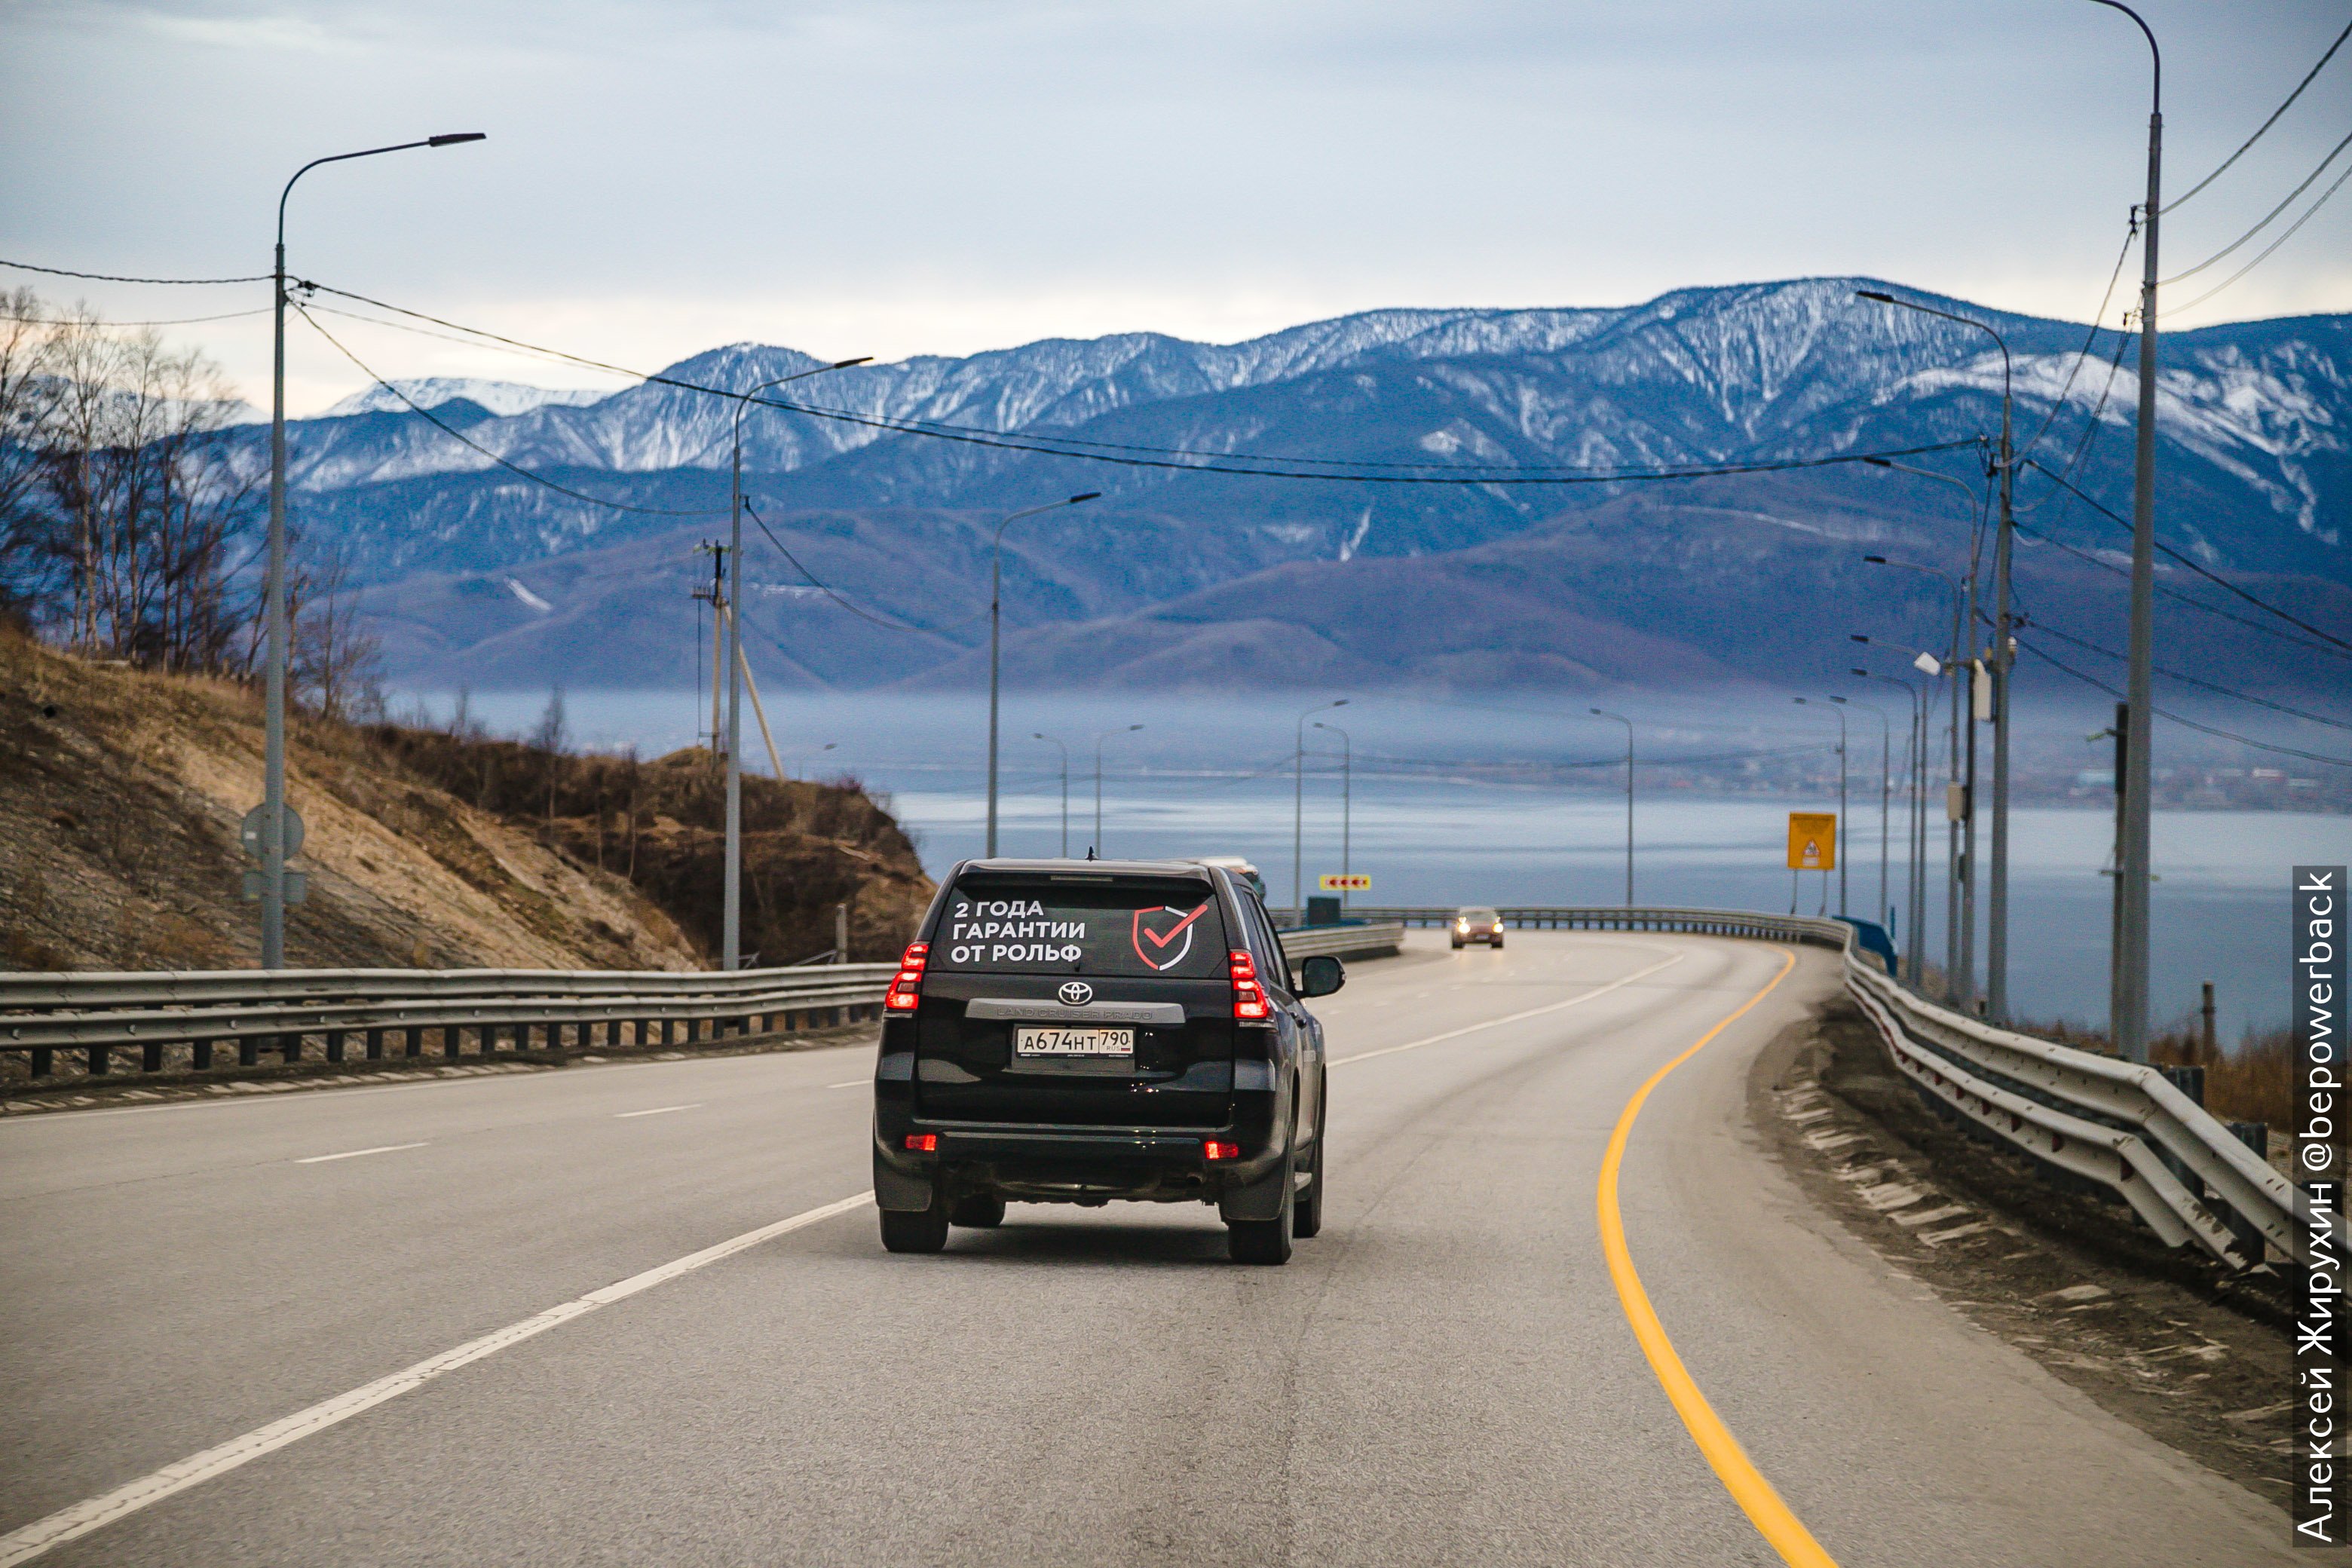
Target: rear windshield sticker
[{"x": 1162, "y": 938}]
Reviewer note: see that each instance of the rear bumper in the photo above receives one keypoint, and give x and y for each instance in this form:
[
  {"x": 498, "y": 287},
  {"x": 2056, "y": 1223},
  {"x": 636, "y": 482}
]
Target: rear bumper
[{"x": 1049, "y": 1164}]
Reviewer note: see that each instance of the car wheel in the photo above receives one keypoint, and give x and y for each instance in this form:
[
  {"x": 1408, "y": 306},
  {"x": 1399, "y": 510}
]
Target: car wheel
[
  {"x": 1306, "y": 1214},
  {"x": 1266, "y": 1241},
  {"x": 923, "y": 1231},
  {"x": 982, "y": 1211},
  {"x": 1496, "y": 944},
  {"x": 1457, "y": 944}
]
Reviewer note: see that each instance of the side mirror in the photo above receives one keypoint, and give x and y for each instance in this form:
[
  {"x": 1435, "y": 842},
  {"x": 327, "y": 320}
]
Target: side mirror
[{"x": 1319, "y": 976}]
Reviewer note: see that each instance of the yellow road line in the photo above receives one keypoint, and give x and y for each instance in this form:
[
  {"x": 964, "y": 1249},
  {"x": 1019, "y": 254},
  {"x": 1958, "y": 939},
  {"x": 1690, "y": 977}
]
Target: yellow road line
[{"x": 1740, "y": 1478}]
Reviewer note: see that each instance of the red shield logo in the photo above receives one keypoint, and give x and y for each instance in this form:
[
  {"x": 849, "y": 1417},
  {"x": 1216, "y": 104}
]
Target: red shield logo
[{"x": 1162, "y": 937}]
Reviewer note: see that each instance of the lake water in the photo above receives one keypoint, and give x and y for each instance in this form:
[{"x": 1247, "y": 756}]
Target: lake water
[{"x": 1214, "y": 777}]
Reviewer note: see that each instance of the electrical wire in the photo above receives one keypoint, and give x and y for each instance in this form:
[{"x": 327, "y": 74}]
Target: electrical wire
[
  {"x": 2266, "y": 255},
  {"x": 854, "y": 609},
  {"x": 174, "y": 321},
  {"x": 2189, "y": 723},
  {"x": 2090, "y": 338},
  {"x": 2089, "y": 647},
  {"x": 110, "y": 278},
  {"x": 2203, "y": 572},
  {"x": 2174, "y": 594},
  {"x": 2265, "y": 223},
  {"x": 2266, "y": 124},
  {"x": 460, "y": 436}
]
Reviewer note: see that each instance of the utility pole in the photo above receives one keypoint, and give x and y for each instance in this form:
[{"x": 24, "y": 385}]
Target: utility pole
[
  {"x": 1600, "y": 713},
  {"x": 1997, "y": 879},
  {"x": 731, "y": 944},
  {"x": 1915, "y": 828},
  {"x": 1347, "y": 802},
  {"x": 995, "y": 626},
  {"x": 1106, "y": 734},
  {"x": 1885, "y": 793},
  {"x": 1298, "y": 814},
  {"x": 2132, "y": 783},
  {"x": 274, "y": 847},
  {"x": 1065, "y": 792}
]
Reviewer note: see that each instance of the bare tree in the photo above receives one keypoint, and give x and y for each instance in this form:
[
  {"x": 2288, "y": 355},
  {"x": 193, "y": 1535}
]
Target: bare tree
[
  {"x": 122, "y": 517},
  {"x": 335, "y": 656}
]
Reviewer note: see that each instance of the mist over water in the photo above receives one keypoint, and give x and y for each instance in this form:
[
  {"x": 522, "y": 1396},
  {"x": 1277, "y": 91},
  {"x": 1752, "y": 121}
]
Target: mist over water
[{"x": 1215, "y": 776}]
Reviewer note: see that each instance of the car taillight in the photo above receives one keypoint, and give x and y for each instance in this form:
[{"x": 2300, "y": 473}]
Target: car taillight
[
  {"x": 906, "y": 991},
  {"x": 1211, "y": 1148},
  {"x": 1249, "y": 997},
  {"x": 923, "y": 1143}
]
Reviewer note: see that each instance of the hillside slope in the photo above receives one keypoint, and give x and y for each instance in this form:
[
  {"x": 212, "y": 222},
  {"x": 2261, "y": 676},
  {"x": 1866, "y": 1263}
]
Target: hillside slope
[{"x": 121, "y": 793}]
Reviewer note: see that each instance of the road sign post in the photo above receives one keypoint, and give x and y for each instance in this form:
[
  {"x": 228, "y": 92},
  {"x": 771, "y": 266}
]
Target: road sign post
[{"x": 1812, "y": 847}]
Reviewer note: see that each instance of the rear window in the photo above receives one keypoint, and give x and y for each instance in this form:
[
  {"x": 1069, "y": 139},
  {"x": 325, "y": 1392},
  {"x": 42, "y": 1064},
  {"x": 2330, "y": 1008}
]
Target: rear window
[{"x": 1062, "y": 928}]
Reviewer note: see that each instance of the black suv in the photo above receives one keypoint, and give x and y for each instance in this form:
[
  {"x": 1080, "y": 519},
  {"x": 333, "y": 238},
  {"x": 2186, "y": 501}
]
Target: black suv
[{"x": 1075, "y": 1031}]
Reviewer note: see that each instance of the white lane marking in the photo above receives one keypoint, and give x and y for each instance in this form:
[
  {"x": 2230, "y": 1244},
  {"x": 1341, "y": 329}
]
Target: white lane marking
[
  {"x": 1508, "y": 1018},
  {"x": 355, "y": 1153},
  {"x": 69, "y": 1525},
  {"x": 853, "y": 1083},
  {"x": 656, "y": 1110}
]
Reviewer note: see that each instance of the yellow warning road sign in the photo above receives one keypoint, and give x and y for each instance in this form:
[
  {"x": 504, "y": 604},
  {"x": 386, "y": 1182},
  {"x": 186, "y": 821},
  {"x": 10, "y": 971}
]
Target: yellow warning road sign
[
  {"x": 1812, "y": 841},
  {"x": 1345, "y": 882}
]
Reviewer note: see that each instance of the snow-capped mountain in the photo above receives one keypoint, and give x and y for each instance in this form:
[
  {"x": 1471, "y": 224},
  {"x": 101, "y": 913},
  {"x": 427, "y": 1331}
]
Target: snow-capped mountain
[
  {"x": 500, "y": 398},
  {"x": 1453, "y": 429}
]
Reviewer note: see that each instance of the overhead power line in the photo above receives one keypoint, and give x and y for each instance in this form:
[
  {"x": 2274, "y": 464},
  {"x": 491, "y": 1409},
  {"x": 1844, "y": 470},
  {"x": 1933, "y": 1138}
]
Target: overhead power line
[
  {"x": 2271, "y": 249},
  {"x": 2266, "y": 124},
  {"x": 2189, "y": 723},
  {"x": 110, "y": 278},
  {"x": 855, "y": 609},
  {"x": 2197, "y": 567},
  {"x": 462, "y": 438},
  {"x": 2185, "y": 680},
  {"x": 2267, "y": 218},
  {"x": 2090, "y": 339}
]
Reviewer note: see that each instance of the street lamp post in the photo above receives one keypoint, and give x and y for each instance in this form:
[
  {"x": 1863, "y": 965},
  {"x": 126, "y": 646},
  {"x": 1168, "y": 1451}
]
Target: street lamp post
[
  {"x": 1600, "y": 713},
  {"x": 1914, "y": 765},
  {"x": 1106, "y": 734},
  {"x": 273, "y": 763},
  {"x": 1065, "y": 788},
  {"x": 730, "y": 923},
  {"x": 1997, "y": 877},
  {"x": 1843, "y": 852},
  {"x": 996, "y": 617},
  {"x": 2130, "y": 1024},
  {"x": 1960, "y": 838},
  {"x": 1298, "y": 813},
  {"x": 1885, "y": 790},
  {"x": 1347, "y": 802}
]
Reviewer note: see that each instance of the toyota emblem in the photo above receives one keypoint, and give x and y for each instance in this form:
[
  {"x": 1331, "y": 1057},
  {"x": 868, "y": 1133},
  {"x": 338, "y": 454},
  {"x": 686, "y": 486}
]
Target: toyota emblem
[{"x": 1076, "y": 993}]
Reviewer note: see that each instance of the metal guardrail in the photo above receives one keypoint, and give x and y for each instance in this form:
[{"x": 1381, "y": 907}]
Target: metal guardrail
[
  {"x": 2125, "y": 1127},
  {"x": 100, "y": 1014},
  {"x": 1367, "y": 939}
]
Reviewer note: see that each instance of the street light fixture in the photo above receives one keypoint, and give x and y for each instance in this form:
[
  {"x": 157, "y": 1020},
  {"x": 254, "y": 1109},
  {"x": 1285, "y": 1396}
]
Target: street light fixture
[
  {"x": 1843, "y": 833},
  {"x": 730, "y": 923},
  {"x": 1347, "y": 802},
  {"x": 273, "y": 764},
  {"x": 2129, "y": 1023},
  {"x": 1600, "y": 713},
  {"x": 1997, "y": 882},
  {"x": 1095, "y": 852},
  {"x": 1298, "y": 813},
  {"x": 1058, "y": 745},
  {"x": 995, "y": 621}
]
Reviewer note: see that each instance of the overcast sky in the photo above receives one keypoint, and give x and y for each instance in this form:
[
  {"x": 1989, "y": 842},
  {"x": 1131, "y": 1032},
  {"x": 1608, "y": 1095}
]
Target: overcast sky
[{"x": 892, "y": 177}]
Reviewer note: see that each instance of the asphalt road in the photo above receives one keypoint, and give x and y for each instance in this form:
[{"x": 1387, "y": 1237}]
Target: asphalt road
[{"x": 1446, "y": 1375}]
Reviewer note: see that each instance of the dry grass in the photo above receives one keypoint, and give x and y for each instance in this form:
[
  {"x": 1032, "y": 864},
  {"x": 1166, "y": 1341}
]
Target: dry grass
[{"x": 2252, "y": 1082}]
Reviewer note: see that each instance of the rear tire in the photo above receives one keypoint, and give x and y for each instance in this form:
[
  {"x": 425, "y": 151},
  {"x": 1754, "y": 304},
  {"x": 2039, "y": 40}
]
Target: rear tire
[
  {"x": 1306, "y": 1214},
  {"x": 1266, "y": 1241},
  {"x": 926, "y": 1231},
  {"x": 982, "y": 1211}
]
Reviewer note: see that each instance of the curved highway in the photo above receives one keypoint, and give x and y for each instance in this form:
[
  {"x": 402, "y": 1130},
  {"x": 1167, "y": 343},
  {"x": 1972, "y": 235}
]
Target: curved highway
[{"x": 1448, "y": 1375}]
